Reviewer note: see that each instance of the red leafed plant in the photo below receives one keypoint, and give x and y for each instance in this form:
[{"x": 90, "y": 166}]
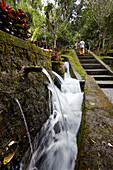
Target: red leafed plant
[
  {"x": 55, "y": 56},
  {"x": 42, "y": 44},
  {"x": 13, "y": 22}
]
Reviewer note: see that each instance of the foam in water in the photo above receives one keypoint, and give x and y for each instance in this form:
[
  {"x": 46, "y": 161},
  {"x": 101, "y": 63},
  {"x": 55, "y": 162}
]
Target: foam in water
[{"x": 52, "y": 150}]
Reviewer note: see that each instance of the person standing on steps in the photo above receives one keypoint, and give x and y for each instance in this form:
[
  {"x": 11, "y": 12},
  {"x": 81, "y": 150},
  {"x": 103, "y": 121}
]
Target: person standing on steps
[
  {"x": 87, "y": 47},
  {"x": 82, "y": 44},
  {"x": 75, "y": 45}
]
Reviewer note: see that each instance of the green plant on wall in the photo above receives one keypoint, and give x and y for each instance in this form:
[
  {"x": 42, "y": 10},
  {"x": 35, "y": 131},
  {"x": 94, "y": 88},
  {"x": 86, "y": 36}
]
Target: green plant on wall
[{"x": 34, "y": 34}]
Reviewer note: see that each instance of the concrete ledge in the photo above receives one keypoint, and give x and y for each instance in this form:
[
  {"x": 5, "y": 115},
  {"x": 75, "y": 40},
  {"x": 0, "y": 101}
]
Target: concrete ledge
[
  {"x": 101, "y": 62},
  {"x": 95, "y": 138},
  {"x": 108, "y": 58}
]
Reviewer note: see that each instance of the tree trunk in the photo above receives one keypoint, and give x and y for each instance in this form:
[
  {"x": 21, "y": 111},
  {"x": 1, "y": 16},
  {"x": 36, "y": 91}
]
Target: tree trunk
[
  {"x": 107, "y": 47},
  {"x": 99, "y": 46},
  {"x": 103, "y": 42},
  {"x": 55, "y": 26},
  {"x": 55, "y": 38}
]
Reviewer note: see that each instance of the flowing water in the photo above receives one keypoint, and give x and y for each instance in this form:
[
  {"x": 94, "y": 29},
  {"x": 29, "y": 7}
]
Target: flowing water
[
  {"x": 28, "y": 134},
  {"x": 57, "y": 101},
  {"x": 55, "y": 146}
]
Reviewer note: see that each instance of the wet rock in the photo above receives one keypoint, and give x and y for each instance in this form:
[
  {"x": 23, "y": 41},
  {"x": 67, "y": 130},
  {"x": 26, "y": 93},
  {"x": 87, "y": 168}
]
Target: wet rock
[{"x": 57, "y": 128}]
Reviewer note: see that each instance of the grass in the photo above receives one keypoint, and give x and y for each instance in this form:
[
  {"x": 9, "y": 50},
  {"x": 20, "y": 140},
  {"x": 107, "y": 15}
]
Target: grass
[
  {"x": 101, "y": 57},
  {"x": 70, "y": 55}
]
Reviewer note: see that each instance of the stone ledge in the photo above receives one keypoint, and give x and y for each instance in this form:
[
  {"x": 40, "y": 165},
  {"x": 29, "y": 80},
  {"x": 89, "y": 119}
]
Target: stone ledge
[
  {"x": 95, "y": 139},
  {"x": 101, "y": 62},
  {"x": 6, "y": 38}
]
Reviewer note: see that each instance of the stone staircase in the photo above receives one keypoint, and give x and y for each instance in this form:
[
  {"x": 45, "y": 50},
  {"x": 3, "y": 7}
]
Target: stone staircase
[{"x": 96, "y": 69}]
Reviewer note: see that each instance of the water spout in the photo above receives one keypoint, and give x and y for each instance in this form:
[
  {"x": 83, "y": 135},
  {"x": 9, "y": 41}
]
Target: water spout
[
  {"x": 29, "y": 138},
  {"x": 32, "y": 69}
]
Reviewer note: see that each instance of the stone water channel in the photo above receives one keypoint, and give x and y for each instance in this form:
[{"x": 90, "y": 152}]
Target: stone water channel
[
  {"x": 21, "y": 80},
  {"x": 95, "y": 137}
]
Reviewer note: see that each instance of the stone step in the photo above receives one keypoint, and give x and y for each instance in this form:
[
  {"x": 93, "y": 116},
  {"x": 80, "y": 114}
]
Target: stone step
[
  {"x": 92, "y": 65},
  {"x": 96, "y": 71},
  {"x": 88, "y": 61},
  {"x": 103, "y": 77},
  {"x": 85, "y": 57},
  {"x": 110, "y": 54},
  {"x": 105, "y": 84}
]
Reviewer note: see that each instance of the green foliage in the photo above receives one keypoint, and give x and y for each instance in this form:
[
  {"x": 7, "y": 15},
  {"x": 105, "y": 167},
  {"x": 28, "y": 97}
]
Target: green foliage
[
  {"x": 34, "y": 34},
  {"x": 67, "y": 21},
  {"x": 13, "y": 21},
  {"x": 77, "y": 67},
  {"x": 89, "y": 30},
  {"x": 33, "y": 12},
  {"x": 64, "y": 36},
  {"x": 55, "y": 24},
  {"x": 97, "y": 22}
]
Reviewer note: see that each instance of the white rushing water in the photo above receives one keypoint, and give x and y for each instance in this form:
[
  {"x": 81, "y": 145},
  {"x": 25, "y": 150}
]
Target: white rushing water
[
  {"x": 28, "y": 134},
  {"x": 55, "y": 146}
]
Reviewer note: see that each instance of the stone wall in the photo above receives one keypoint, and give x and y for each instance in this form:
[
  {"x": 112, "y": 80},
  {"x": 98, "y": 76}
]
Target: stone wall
[
  {"x": 30, "y": 89},
  {"x": 95, "y": 138}
]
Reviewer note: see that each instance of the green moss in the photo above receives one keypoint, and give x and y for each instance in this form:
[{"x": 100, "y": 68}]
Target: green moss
[
  {"x": 58, "y": 67},
  {"x": 31, "y": 56},
  {"x": 30, "y": 91},
  {"x": 18, "y": 51},
  {"x": 101, "y": 57},
  {"x": 73, "y": 60},
  {"x": 3, "y": 37},
  {"x": 80, "y": 139},
  {"x": 10, "y": 39},
  {"x": 2, "y": 49}
]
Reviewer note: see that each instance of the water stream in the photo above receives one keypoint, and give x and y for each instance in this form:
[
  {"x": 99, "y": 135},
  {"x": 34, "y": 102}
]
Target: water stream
[
  {"x": 57, "y": 100},
  {"x": 28, "y": 134},
  {"x": 55, "y": 146}
]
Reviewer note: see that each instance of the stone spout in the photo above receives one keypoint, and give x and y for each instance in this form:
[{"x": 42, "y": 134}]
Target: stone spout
[{"x": 32, "y": 69}]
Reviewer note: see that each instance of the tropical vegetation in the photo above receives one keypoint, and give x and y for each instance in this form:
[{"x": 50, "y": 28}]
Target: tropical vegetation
[{"x": 64, "y": 21}]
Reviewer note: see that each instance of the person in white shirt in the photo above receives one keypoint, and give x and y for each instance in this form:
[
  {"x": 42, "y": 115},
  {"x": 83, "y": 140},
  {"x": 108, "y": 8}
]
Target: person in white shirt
[{"x": 82, "y": 45}]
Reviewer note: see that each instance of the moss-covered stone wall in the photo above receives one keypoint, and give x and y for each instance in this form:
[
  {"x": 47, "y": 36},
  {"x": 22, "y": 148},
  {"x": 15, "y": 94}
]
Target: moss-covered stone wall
[
  {"x": 30, "y": 89},
  {"x": 58, "y": 67}
]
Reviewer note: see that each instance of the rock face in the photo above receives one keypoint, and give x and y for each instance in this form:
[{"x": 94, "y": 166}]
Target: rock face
[
  {"x": 30, "y": 89},
  {"x": 58, "y": 67},
  {"x": 95, "y": 139}
]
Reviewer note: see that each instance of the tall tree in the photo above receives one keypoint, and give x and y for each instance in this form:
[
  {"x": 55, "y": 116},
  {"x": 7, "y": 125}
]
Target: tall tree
[
  {"x": 54, "y": 15},
  {"x": 100, "y": 11},
  {"x": 74, "y": 14}
]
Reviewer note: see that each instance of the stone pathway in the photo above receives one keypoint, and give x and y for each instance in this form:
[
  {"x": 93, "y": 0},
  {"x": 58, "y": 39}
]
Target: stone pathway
[{"x": 100, "y": 72}]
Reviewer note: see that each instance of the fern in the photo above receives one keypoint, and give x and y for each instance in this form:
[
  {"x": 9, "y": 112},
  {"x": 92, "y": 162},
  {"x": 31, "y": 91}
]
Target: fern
[{"x": 34, "y": 33}]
